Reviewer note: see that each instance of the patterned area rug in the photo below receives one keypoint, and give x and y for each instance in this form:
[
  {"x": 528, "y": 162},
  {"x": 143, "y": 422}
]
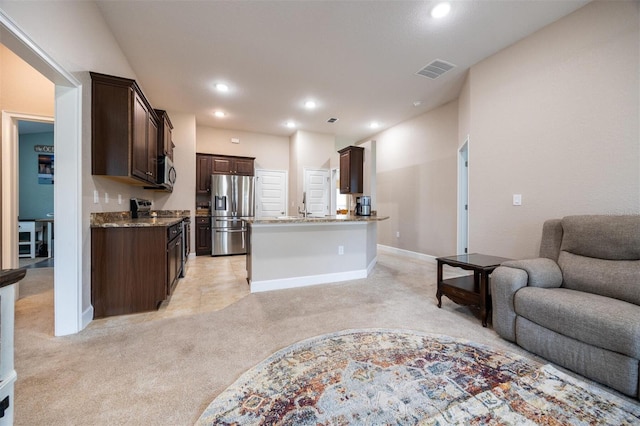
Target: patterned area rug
[{"x": 377, "y": 377}]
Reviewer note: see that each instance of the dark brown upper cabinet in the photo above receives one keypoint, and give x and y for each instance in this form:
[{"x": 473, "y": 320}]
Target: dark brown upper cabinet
[
  {"x": 204, "y": 169},
  {"x": 165, "y": 137},
  {"x": 124, "y": 131},
  {"x": 351, "y": 165},
  {"x": 227, "y": 165}
]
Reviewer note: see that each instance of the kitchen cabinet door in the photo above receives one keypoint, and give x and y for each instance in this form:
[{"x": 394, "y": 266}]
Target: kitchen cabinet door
[
  {"x": 351, "y": 170},
  {"x": 140, "y": 143},
  {"x": 128, "y": 269},
  {"x": 222, "y": 165},
  {"x": 244, "y": 166},
  {"x": 124, "y": 131},
  {"x": 203, "y": 174},
  {"x": 165, "y": 134},
  {"x": 203, "y": 236},
  {"x": 229, "y": 165}
]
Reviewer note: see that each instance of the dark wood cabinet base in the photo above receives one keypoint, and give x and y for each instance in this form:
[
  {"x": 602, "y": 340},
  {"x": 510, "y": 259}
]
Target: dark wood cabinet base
[{"x": 133, "y": 269}]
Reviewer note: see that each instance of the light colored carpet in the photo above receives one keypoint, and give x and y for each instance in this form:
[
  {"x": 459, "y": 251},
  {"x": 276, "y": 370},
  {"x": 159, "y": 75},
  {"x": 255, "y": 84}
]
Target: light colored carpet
[
  {"x": 404, "y": 377},
  {"x": 165, "y": 370}
]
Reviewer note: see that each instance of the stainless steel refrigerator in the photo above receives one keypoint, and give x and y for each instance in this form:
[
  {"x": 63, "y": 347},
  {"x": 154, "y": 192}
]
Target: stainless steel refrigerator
[{"x": 232, "y": 199}]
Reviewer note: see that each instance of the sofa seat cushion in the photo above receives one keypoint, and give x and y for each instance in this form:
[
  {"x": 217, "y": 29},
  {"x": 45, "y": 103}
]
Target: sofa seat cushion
[{"x": 600, "y": 321}]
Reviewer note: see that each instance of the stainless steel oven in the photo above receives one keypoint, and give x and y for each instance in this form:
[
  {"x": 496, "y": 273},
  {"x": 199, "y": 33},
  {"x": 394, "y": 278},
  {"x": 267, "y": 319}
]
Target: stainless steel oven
[{"x": 186, "y": 243}]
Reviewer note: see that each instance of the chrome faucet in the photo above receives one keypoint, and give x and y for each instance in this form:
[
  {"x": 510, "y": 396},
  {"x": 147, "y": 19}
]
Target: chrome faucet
[{"x": 304, "y": 213}]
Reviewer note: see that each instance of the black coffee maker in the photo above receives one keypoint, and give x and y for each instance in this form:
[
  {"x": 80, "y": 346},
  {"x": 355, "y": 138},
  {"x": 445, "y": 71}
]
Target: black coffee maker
[{"x": 363, "y": 205}]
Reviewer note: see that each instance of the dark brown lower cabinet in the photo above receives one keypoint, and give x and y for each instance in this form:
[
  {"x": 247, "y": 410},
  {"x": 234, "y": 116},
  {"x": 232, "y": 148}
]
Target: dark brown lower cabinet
[
  {"x": 203, "y": 236},
  {"x": 133, "y": 269}
]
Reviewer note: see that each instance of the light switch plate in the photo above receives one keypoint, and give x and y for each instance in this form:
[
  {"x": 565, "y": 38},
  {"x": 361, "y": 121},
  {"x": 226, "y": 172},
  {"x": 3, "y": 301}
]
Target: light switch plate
[{"x": 517, "y": 199}]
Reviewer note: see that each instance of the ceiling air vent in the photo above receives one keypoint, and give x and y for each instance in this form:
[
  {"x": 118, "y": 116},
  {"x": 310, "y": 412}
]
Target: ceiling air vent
[
  {"x": 435, "y": 69},
  {"x": 332, "y": 120}
]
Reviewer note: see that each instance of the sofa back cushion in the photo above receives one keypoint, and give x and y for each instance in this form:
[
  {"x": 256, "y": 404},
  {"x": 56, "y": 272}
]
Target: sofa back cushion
[
  {"x": 602, "y": 237},
  {"x": 601, "y": 255}
]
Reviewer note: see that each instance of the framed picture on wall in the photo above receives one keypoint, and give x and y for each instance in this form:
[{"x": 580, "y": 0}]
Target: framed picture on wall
[{"x": 45, "y": 169}]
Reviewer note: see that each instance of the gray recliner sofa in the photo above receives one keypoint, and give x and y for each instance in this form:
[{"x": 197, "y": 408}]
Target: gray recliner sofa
[{"x": 578, "y": 304}]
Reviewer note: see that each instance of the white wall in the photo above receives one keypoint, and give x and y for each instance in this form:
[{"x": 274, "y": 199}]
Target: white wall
[
  {"x": 555, "y": 118},
  {"x": 308, "y": 150},
  {"x": 417, "y": 182},
  {"x": 271, "y": 152}
]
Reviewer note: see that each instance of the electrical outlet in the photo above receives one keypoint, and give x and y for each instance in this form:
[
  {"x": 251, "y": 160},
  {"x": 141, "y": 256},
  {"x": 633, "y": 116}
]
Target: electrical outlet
[
  {"x": 398, "y": 234},
  {"x": 340, "y": 250},
  {"x": 96, "y": 196},
  {"x": 106, "y": 198},
  {"x": 119, "y": 198}
]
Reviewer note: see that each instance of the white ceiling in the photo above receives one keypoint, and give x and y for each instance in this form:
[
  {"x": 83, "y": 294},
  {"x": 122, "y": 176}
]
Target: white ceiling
[{"x": 357, "y": 59}]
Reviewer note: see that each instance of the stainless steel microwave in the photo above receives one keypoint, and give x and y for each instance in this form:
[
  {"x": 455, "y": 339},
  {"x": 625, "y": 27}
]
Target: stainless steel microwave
[{"x": 166, "y": 172}]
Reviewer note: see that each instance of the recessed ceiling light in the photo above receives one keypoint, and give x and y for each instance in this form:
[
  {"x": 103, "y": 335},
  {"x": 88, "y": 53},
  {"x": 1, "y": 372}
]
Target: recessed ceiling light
[
  {"x": 290, "y": 124},
  {"x": 441, "y": 10},
  {"x": 374, "y": 125},
  {"x": 221, "y": 87},
  {"x": 219, "y": 114},
  {"x": 310, "y": 104}
]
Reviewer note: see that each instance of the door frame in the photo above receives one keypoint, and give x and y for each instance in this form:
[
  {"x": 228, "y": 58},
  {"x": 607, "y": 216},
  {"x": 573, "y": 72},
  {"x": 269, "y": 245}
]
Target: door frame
[
  {"x": 10, "y": 184},
  {"x": 69, "y": 317},
  {"x": 463, "y": 197}
]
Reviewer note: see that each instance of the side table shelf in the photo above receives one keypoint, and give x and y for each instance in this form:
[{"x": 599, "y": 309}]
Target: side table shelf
[{"x": 472, "y": 290}]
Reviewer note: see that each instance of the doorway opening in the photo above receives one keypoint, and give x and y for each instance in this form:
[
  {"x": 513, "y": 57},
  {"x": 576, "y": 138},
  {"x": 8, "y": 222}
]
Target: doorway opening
[
  {"x": 72, "y": 307},
  {"x": 463, "y": 198},
  {"x": 36, "y": 172}
]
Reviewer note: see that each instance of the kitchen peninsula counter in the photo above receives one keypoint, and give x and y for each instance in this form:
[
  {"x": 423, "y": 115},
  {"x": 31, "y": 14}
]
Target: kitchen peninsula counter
[
  {"x": 310, "y": 220},
  {"x": 290, "y": 251}
]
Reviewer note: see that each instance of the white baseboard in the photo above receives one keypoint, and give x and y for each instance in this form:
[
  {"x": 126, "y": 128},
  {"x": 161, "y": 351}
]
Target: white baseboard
[
  {"x": 372, "y": 265},
  {"x": 87, "y": 317},
  {"x": 280, "y": 284},
  {"x": 407, "y": 253}
]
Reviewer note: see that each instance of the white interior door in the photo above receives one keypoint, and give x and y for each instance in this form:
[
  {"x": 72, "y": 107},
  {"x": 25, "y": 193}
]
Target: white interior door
[
  {"x": 316, "y": 187},
  {"x": 271, "y": 193}
]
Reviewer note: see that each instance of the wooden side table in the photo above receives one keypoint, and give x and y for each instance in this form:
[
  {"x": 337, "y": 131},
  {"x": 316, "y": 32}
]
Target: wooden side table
[{"x": 471, "y": 289}]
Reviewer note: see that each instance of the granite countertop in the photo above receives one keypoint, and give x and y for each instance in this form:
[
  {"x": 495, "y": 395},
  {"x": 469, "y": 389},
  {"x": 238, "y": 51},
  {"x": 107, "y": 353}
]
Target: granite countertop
[
  {"x": 138, "y": 223},
  {"x": 326, "y": 219},
  {"x": 11, "y": 276},
  {"x": 164, "y": 218}
]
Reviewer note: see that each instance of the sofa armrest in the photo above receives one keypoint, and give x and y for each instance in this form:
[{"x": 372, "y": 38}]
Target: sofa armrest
[
  {"x": 541, "y": 272},
  {"x": 510, "y": 277}
]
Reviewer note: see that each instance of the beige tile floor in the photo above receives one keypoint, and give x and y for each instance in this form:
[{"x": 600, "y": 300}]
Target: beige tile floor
[{"x": 210, "y": 284}]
